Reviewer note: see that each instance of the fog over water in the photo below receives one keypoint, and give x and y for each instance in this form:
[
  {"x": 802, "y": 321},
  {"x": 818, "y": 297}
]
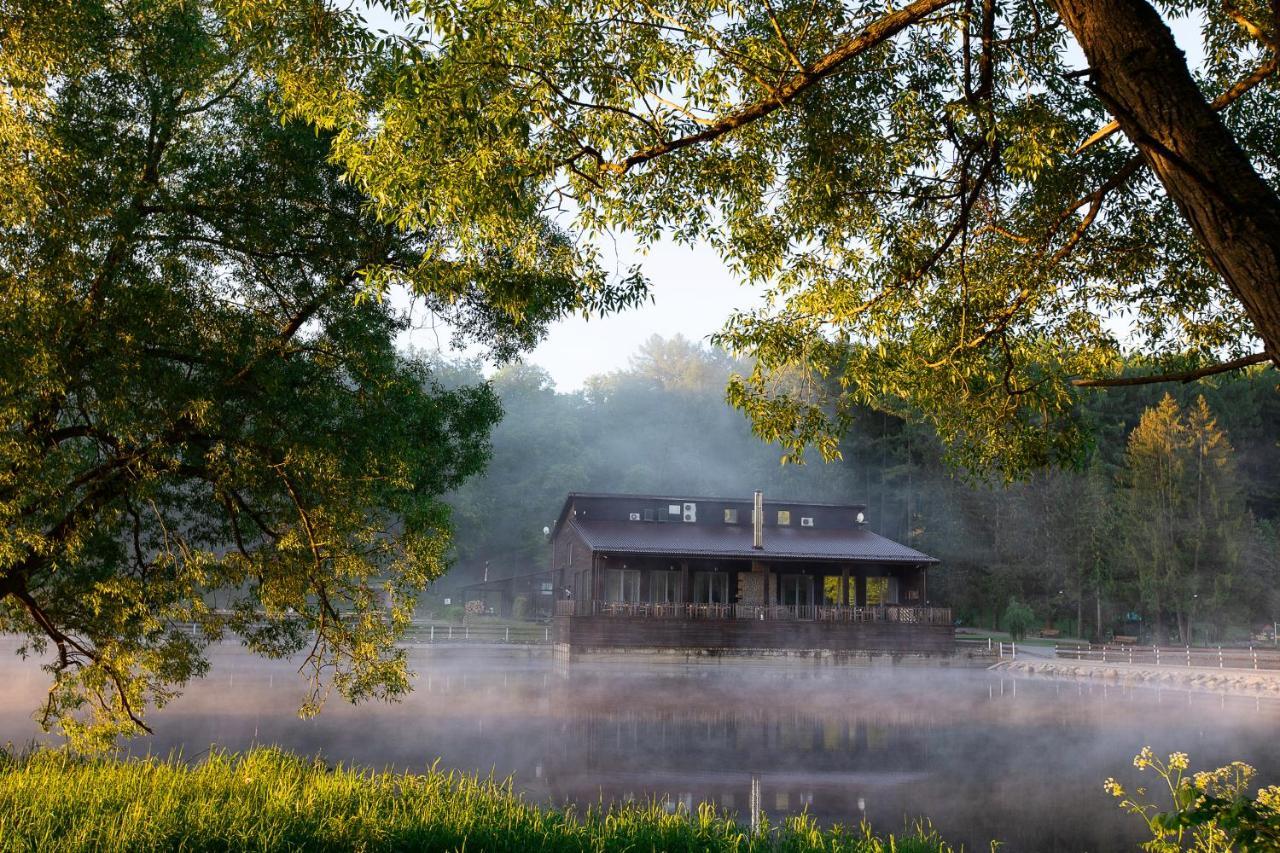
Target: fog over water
[{"x": 982, "y": 756}]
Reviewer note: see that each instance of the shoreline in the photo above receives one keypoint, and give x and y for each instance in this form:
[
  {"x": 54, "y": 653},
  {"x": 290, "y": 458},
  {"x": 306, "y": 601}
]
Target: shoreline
[{"x": 1244, "y": 682}]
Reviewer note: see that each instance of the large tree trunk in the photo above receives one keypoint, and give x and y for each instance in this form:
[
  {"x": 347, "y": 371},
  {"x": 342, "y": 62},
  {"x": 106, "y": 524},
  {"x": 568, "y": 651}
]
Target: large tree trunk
[{"x": 1143, "y": 78}]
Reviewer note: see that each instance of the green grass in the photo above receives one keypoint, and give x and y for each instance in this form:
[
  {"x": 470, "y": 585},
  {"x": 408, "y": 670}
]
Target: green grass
[{"x": 267, "y": 799}]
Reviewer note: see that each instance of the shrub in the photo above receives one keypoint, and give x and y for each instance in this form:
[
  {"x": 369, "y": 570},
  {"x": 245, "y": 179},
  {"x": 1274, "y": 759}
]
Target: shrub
[
  {"x": 1018, "y": 618},
  {"x": 1213, "y": 811}
]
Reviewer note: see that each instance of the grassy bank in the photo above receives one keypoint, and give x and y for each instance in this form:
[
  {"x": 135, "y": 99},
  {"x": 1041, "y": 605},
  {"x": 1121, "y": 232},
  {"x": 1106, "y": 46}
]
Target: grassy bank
[{"x": 270, "y": 800}]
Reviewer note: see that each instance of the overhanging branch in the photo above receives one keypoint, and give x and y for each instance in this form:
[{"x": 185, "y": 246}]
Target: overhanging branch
[
  {"x": 873, "y": 34},
  {"x": 1185, "y": 376}
]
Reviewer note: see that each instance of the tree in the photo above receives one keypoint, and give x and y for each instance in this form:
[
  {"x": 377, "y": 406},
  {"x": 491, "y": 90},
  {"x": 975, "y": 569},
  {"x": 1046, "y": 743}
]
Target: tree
[
  {"x": 936, "y": 197},
  {"x": 1182, "y": 513},
  {"x": 197, "y": 395},
  {"x": 1018, "y": 619}
]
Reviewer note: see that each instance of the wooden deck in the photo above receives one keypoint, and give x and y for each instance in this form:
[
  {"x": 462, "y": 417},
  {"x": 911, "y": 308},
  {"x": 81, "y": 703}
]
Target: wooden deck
[{"x": 612, "y": 625}]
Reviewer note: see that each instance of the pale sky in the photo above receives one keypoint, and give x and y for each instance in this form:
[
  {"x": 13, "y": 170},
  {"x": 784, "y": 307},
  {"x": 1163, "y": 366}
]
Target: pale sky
[{"x": 693, "y": 294}]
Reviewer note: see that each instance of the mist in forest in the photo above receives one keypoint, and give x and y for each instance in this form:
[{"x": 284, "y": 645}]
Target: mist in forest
[{"x": 1066, "y": 541}]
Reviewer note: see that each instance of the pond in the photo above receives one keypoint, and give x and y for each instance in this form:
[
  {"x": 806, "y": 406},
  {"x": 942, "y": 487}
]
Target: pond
[{"x": 981, "y": 756}]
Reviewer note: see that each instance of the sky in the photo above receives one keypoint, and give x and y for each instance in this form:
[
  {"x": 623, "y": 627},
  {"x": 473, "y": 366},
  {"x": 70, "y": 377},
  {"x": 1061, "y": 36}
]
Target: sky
[{"x": 693, "y": 294}]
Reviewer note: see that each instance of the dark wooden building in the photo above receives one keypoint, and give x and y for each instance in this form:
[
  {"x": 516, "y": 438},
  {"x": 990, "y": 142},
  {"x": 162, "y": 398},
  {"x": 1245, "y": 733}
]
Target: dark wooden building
[{"x": 655, "y": 572}]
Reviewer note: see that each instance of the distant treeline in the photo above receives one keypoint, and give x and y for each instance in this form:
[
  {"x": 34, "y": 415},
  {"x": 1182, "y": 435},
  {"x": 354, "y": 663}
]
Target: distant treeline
[{"x": 1171, "y": 515}]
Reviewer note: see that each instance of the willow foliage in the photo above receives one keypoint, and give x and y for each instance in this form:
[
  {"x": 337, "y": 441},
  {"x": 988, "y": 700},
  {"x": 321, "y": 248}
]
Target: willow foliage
[
  {"x": 909, "y": 184},
  {"x": 199, "y": 389}
]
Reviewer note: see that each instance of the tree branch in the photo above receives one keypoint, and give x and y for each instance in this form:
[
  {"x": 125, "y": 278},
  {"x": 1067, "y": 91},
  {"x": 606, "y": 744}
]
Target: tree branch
[
  {"x": 873, "y": 34},
  {"x": 1244, "y": 84},
  {"x": 1185, "y": 376}
]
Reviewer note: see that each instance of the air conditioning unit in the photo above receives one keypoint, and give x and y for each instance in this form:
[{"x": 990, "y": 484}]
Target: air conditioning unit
[
  {"x": 673, "y": 510},
  {"x": 635, "y": 516},
  {"x": 806, "y": 521},
  {"x": 690, "y": 512}
]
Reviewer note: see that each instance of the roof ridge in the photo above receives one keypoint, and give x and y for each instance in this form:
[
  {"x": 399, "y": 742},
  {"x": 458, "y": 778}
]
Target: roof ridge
[{"x": 693, "y": 498}]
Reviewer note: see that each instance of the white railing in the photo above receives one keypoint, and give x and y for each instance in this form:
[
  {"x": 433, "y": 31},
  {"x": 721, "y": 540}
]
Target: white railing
[
  {"x": 532, "y": 634},
  {"x": 1217, "y": 657}
]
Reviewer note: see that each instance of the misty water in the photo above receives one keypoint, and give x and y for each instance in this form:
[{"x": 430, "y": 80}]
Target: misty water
[{"x": 981, "y": 756}]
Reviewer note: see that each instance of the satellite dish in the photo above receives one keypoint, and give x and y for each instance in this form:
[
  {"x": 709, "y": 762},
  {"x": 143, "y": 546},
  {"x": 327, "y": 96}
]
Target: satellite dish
[
  {"x": 861, "y": 518},
  {"x": 546, "y": 531}
]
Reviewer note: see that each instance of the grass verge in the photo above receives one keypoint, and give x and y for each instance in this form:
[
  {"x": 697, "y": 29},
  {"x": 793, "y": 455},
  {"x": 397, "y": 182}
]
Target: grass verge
[{"x": 267, "y": 799}]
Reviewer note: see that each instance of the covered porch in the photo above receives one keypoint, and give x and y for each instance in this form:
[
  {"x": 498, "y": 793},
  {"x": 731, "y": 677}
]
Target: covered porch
[{"x": 806, "y": 586}]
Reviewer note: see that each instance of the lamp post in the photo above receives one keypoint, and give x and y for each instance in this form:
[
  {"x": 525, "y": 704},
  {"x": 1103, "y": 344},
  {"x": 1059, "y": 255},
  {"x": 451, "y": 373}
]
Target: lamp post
[{"x": 1191, "y": 619}]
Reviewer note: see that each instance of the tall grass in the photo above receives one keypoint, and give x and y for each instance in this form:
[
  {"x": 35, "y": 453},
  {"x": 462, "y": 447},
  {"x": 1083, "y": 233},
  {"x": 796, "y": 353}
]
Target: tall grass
[{"x": 267, "y": 799}]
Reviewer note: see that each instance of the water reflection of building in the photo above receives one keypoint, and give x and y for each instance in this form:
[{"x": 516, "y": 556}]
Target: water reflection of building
[
  {"x": 731, "y": 575},
  {"x": 832, "y": 762}
]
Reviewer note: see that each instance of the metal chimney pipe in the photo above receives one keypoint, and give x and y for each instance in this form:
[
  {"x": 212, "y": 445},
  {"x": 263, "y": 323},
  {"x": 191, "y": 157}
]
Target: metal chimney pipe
[{"x": 757, "y": 520}]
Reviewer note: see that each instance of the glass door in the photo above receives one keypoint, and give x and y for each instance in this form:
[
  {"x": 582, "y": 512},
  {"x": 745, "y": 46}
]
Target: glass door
[
  {"x": 797, "y": 590},
  {"x": 711, "y": 587}
]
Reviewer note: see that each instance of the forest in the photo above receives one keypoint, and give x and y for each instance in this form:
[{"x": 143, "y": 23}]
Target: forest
[{"x": 1166, "y": 526}]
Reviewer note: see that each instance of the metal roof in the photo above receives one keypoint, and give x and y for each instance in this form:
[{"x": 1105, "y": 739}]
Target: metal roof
[
  {"x": 704, "y": 498},
  {"x": 734, "y": 541},
  {"x": 673, "y": 498}
]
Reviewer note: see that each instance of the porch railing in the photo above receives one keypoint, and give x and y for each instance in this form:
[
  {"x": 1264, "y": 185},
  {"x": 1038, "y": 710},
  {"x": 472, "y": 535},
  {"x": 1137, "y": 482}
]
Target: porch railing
[{"x": 776, "y": 612}]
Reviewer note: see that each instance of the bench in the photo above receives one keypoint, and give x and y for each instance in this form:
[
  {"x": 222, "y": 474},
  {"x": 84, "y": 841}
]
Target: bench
[
  {"x": 1050, "y": 632},
  {"x": 1124, "y": 640}
]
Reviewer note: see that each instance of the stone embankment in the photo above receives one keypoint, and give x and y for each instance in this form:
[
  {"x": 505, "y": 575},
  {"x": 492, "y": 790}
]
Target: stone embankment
[{"x": 1244, "y": 681}]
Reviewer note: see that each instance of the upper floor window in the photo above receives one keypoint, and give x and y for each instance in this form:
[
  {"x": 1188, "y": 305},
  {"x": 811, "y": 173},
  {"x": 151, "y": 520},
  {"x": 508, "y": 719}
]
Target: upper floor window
[
  {"x": 784, "y": 517},
  {"x": 730, "y": 516}
]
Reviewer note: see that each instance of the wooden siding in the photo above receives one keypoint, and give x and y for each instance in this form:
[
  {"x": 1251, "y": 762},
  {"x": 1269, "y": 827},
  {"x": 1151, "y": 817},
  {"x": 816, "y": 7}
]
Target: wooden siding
[{"x": 582, "y": 632}]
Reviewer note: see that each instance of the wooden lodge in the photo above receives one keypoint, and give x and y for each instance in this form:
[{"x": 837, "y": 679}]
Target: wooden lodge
[{"x": 737, "y": 575}]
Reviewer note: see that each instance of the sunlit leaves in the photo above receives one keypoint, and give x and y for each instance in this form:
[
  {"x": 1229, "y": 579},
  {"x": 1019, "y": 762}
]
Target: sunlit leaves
[
  {"x": 203, "y": 433},
  {"x": 926, "y": 203}
]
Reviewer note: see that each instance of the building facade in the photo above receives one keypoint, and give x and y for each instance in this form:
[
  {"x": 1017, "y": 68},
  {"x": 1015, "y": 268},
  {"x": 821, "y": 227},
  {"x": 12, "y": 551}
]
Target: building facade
[{"x": 651, "y": 571}]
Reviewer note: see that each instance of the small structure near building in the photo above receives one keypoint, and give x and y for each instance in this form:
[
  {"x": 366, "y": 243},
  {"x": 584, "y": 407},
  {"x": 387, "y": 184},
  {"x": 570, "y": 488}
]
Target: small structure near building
[{"x": 737, "y": 575}]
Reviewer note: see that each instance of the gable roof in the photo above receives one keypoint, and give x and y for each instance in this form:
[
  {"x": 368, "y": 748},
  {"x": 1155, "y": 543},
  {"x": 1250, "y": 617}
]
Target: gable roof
[{"x": 734, "y": 542}]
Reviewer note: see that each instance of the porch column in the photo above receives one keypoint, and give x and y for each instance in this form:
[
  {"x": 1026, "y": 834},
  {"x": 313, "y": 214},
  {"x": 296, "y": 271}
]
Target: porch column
[
  {"x": 861, "y": 588},
  {"x": 844, "y": 586},
  {"x": 597, "y": 578},
  {"x": 686, "y": 591},
  {"x": 768, "y": 585}
]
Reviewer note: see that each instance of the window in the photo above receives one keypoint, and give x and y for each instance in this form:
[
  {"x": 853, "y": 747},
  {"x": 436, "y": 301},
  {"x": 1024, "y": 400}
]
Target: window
[
  {"x": 711, "y": 587},
  {"x": 674, "y": 509},
  {"x": 882, "y": 590},
  {"x": 664, "y": 587},
  {"x": 797, "y": 590},
  {"x": 622, "y": 585},
  {"x": 730, "y": 516},
  {"x": 784, "y": 517},
  {"x": 570, "y": 554}
]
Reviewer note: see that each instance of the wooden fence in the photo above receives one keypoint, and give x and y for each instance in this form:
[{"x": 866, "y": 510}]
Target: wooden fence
[{"x": 1220, "y": 657}]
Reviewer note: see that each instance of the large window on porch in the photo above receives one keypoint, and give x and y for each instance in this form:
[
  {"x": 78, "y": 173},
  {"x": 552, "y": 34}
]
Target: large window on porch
[
  {"x": 882, "y": 590},
  {"x": 797, "y": 590},
  {"x": 711, "y": 587},
  {"x": 664, "y": 587},
  {"x": 622, "y": 585}
]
